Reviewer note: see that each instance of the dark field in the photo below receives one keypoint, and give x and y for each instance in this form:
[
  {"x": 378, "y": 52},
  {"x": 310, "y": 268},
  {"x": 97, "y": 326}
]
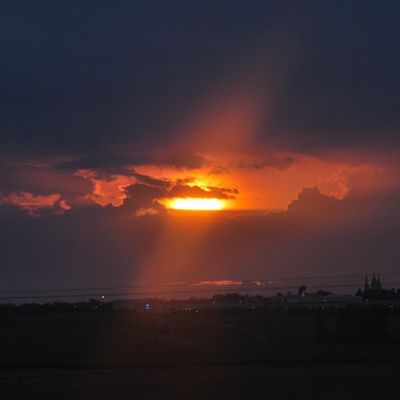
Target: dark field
[{"x": 218, "y": 354}]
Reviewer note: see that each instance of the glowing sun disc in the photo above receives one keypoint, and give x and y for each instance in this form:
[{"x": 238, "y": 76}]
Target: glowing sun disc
[{"x": 199, "y": 204}]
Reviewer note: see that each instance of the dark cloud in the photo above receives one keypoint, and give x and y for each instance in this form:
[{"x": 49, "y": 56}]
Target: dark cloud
[
  {"x": 128, "y": 74},
  {"x": 36, "y": 205},
  {"x": 142, "y": 196},
  {"x": 112, "y": 163},
  {"x": 185, "y": 160},
  {"x": 105, "y": 162},
  {"x": 312, "y": 201},
  {"x": 219, "y": 169},
  {"x": 280, "y": 163},
  {"x": 196, "y": 191},
  {"x": 147, "y": 194},
  {"x": 148, "y": 180},
  {"x": 42, "y": 180}
]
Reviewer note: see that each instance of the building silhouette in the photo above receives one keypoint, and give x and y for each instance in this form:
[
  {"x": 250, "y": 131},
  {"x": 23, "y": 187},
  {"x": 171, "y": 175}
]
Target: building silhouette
[{"x": 372, "y": 289}]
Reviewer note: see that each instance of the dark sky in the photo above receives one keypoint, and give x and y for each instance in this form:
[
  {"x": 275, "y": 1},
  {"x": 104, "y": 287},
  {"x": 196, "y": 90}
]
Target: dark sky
[{"x": 109, "y": 107}]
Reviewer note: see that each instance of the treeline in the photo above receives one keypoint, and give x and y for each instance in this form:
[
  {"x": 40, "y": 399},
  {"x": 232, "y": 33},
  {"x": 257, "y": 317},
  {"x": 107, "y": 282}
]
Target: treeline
[
  {"x": 380, "y": 295},
  {"x": 44, "y": 308}
]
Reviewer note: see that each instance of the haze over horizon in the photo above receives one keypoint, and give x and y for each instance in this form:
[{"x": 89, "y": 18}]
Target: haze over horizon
[{"x": 273, "y": 125}]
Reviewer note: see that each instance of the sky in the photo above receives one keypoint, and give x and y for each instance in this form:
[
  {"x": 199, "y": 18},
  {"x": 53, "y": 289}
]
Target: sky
[{"x": 284, "y": 112}]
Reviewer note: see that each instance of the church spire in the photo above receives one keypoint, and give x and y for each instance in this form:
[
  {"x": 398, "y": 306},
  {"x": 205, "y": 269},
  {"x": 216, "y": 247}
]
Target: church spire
[
  {"x": 374, "y": 283},
  {"x": 366, "y": 285}
]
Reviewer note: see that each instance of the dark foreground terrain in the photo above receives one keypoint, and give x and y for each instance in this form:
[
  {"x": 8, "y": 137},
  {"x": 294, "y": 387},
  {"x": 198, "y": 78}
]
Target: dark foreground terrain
[
  {"x": 350, "y": 381},
  {"x": 225, "y": 354}
]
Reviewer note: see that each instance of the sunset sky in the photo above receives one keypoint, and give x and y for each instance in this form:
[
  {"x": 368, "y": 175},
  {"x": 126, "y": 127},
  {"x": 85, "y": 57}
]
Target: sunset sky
[{"x": 281, "y": 117}]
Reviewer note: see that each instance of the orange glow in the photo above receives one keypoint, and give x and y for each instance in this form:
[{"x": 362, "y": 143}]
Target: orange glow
[
  {"x": 219, "y": 283},
  {"x": 198, "y": 204},
  {"x": 107, "y": 191},
  {"x": 256, "y": 183},
  {"x": 32, "y": 203}
]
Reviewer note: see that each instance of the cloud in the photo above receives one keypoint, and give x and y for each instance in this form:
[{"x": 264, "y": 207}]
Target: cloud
[
  {"x": 146, "y": 199},
  {"x": 106, "y": 189},
  {"x": 219, "y": 170},
  {"x": 113, "y": 189},
  {"x": 310, "y": 201},
  {"x": 43, "y": 178},
  {"x": 196, "y": 191},
  {"x": 122, "y": 189},
  {"x": 72, "y": 102},
  {"x": 182, "y": 159},
  {"x": 219, "y": 283},
  {"x": 35, "y": 204},
  {"x": 148, "y": 180},
  {"x": 280, "y": 163},
  {"x": 117, "y": 163},
  {"x": 142, "y": 197},
  {"x": 145, "y": 212}
]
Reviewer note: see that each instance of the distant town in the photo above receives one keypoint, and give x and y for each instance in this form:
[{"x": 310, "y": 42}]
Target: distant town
[{"x": 372, "y": 293}]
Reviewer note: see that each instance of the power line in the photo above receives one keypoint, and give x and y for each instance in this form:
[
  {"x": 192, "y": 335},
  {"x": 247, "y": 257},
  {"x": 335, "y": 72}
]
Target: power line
[
  {"x": 175, "y": 292},
  {"x": 191, "y": 284}
]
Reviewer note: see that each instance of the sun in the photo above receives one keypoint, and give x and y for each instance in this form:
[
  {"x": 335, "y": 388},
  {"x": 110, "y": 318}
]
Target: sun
[{"x": 195, "y": 204}]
